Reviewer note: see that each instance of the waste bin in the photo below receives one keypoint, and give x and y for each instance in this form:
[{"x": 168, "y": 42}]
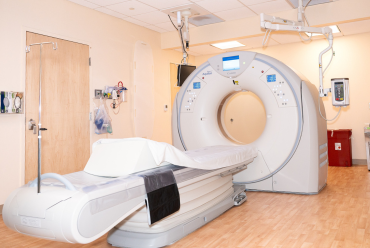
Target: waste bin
[{"x": 340, "y": 147}]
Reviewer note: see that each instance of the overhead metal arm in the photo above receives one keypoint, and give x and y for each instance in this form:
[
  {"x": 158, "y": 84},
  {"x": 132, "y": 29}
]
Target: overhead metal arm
[
  {"x": 273, "y": 19},
  {"x": 273, "y": 23},
  {"x": 268, "y": 23}
]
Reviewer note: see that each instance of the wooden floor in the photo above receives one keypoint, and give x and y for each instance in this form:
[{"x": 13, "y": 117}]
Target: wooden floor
[{"x": 337, "y": 217}]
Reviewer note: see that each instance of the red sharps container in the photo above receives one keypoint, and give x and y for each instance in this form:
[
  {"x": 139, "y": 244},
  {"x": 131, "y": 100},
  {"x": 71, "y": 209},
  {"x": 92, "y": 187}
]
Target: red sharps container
[{"x": 340, "y": 147}]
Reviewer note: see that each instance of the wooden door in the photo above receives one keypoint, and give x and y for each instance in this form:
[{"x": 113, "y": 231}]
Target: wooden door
[{"x": 65, "y": 106}]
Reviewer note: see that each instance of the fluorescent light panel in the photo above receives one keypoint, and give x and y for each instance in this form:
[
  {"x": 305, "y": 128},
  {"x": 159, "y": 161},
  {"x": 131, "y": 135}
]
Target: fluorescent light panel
[
  {"x": 228, "y": 45},
  {"x": 334, "y": 28}
]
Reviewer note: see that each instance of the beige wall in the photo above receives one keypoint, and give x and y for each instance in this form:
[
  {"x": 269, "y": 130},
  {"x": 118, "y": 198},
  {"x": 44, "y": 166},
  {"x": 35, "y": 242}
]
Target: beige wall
[
  {"x": 351, "y": 60},
  {"x": 112, "y": 43}
]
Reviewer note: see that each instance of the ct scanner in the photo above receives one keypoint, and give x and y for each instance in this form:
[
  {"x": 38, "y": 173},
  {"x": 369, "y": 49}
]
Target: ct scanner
[
  {"x": 292, "y": 150},
  {"x": 211, "y": 171}
]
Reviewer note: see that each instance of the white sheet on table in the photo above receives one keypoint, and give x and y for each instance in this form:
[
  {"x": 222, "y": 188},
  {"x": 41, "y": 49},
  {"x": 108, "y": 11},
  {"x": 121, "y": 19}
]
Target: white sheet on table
[{"x": 118, "y": 157}]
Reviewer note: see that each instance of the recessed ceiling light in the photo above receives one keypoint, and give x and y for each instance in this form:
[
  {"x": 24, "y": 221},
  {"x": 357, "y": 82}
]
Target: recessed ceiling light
[
  {"x": 228, "y": 45},
  {"x": 334, "y": 28}
]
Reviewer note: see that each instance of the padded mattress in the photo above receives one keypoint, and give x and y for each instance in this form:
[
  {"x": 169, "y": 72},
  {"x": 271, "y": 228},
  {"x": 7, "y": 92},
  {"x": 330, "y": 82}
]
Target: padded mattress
[{"x": 114, "y": 158}]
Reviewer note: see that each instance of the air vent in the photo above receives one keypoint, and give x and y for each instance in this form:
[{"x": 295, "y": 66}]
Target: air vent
[
  {"x": 313, "y": 2},
  {"x": 199, "y": 16},
  {"x": 204, "y": 20}
]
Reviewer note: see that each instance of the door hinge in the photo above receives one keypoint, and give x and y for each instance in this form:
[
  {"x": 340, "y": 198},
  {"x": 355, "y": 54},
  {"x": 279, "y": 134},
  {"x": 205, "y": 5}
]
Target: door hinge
[{"x": 90, "y": 61}]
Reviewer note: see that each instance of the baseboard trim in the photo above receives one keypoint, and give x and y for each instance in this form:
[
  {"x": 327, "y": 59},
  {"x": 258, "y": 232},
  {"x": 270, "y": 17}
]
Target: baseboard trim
[
  {"x": 1, "y": 209},
  {"x": 359, "y": 161}
]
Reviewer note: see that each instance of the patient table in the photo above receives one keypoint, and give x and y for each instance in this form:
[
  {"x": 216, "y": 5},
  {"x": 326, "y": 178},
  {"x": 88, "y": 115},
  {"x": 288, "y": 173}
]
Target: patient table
[{"x": 81, "y": 207}]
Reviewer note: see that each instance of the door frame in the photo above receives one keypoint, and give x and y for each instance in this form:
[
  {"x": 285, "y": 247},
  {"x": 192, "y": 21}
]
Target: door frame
[{"x": 23, "y": 85}]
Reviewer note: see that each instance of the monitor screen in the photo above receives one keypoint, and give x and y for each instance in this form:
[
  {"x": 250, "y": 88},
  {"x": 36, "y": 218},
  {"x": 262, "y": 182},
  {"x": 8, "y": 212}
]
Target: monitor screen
[
  {"x": 231, "y": 63},
  {"x": 183, "y": 72}
]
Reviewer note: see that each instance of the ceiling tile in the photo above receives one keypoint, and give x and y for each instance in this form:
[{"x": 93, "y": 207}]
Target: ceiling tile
[
  {"x": 246, "y": 45},
  {"x": 355, "y": 27},
  {"x": 205, "y": 49},
  {"x": 153, "y": 18},
  {"x": 234, "y": 14},
  {"x": 110, "y": 12},
  {"x": 106, "y": 2},
  {"x": 175, "y": 22},
  {"x": 164, "y": 4},
  {"x": 312, "y": 2},
  {"x": 189, "y": 52},
  {"x": 205, "y": 20},
  {"x": 252, "y": 2},
  {"x": 219, "y": 5},
  {"x": 131, "y": 8},
  {"x": 271, "y": 7},
  {"x": 157, "y": 29},
  {"x": 137, "y": 22},
  {"x": 85, "y": 3},
  {"x": 255, "y": 42}
]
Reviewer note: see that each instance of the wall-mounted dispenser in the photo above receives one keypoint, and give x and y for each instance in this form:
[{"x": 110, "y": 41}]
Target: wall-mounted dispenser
[{"x": 11, "y": 102}]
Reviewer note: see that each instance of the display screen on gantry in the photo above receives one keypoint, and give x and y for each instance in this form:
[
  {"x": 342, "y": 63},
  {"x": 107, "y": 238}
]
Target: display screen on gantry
[
  {"x": 271, "y": 78},
  {"x": 231, "y": 63},
  {"x": 196, "y": 85}
]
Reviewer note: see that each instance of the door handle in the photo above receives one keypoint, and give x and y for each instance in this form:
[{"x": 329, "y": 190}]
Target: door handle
[{"x": 32, "y": 126}]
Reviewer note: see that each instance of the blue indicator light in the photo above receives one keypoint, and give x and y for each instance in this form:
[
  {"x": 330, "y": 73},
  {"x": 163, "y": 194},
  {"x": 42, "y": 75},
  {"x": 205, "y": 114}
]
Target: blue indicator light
[
  {"x": 271, "y": 78},
  {"x": 196, "y": 85}
]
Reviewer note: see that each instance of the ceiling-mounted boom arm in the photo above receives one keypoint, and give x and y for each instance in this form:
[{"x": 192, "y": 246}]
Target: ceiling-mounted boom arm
[
  {"x": 184, "y": 35},
  {"x": 269, "y": 23},
  {"x": 273, "y": 23},
  {"x": 273, "y": 19},
  {"x": 182, "y": 14}
]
